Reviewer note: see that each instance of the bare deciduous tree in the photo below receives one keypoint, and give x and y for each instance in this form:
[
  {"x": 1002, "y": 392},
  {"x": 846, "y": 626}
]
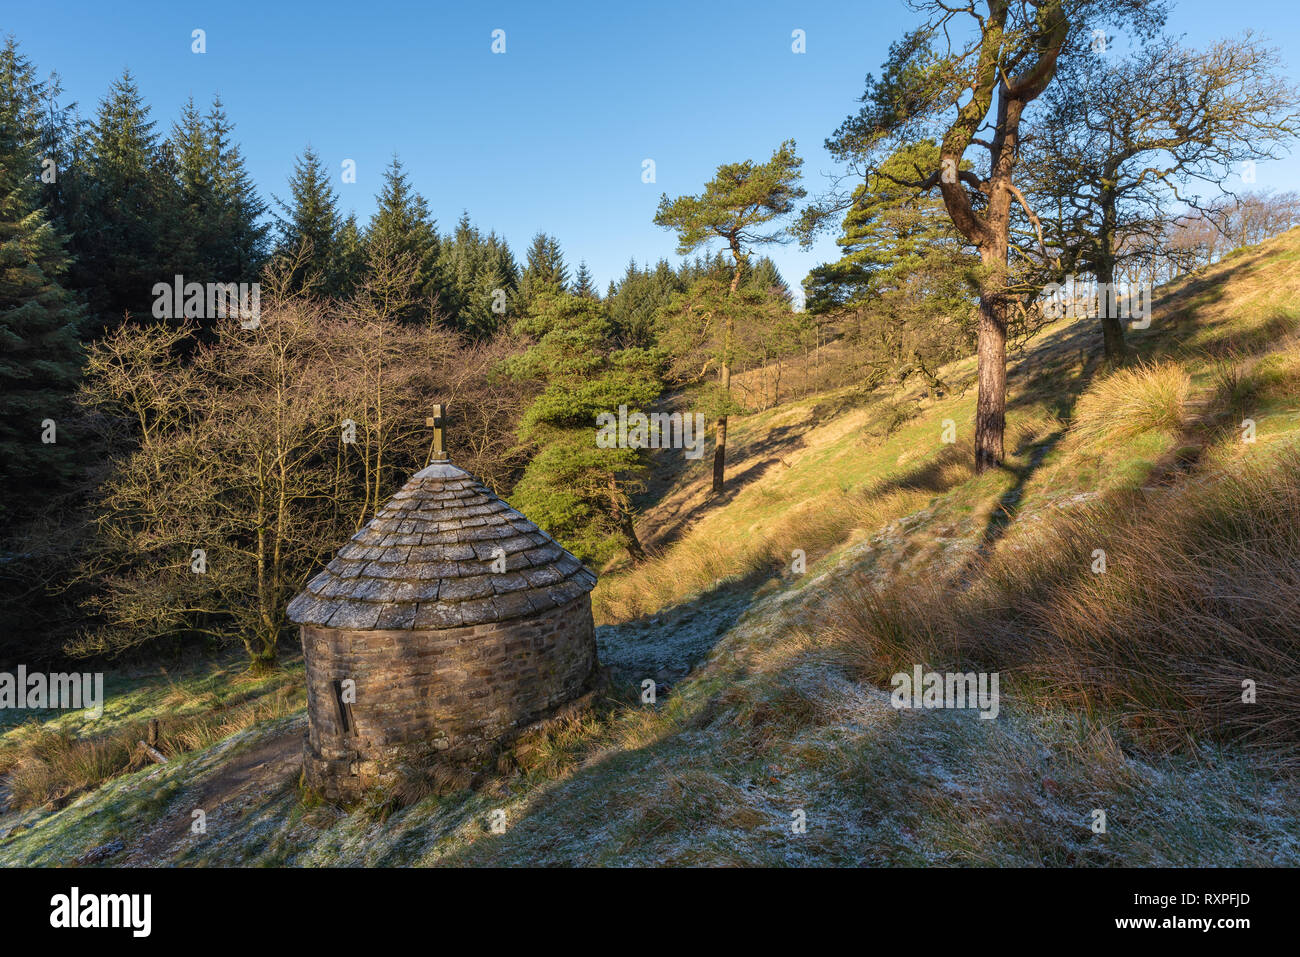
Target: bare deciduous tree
[
  {"x": 1120, "y": 145},
  {"x": 238, "y": 475}
]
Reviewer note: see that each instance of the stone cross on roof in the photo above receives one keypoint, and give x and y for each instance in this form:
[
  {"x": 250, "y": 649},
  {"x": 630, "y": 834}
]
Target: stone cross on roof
[{"x": 435, "y": 422}]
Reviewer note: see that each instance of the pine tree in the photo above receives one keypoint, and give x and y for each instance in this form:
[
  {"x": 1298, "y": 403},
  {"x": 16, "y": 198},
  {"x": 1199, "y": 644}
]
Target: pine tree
[
  {"x": 581, "y": 493},
  {"x": 401, "y": 224},
  {"x": 40, "y": 321},
  {"x": 886, "y": 233},
  {"x": 736, "y": 205},
  {"x": 905, "y": 259},
  {"x": 311, "y": 222}
]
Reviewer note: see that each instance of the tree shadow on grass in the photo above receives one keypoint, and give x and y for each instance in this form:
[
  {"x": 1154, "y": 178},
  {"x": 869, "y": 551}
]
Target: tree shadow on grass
[
  {"x": 1008, "y": 506},
  {"x": 676, "y": 519}
]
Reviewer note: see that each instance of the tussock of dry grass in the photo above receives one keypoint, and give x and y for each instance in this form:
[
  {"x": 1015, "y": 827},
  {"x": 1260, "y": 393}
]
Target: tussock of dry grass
[
  {"x": 1130, "y": 401},
  {"x": 414, "y": 783},
  {"x": 1201, "y": 592}
]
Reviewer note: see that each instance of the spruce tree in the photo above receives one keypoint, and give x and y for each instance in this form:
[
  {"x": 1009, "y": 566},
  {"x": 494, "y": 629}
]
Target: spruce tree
[
  {"x": 40, "y": 320},
  {"x": 126, "y": 234},
  {"x": 242, "y": 251},
  {"x": 583, "y": 284},
  {"x": 196, "y": 166},
  {"x": 455, "y": 264},
  {"x": 310, "y": 222},
  {"x": 480, "y": 280},
  {"x": 544, "y": 270},
  {"x": 637, "y": 298},
  {"x": 766, "y": 279},
  {"x": 402, "y": 224},
  {"x": 60, "y": 151},
  {"x": 494, "y": 297},
  {"x": 348, "y": 264}
]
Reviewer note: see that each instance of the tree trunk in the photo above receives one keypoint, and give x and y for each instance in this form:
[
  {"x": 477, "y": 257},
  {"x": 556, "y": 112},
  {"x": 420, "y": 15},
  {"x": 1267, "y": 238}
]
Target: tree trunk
[
  {"x": 1112, "y": 336},
  {"x": 624, "y": 521},
  {"x": 720, "y": 432},
  {"x": 991, "y": 404},
  {"x": 633, "y": 543},
  {"x": 719, "y": 453},
  {"x": 1112, "y": 330},
  {"x": 989, "y": 229}
]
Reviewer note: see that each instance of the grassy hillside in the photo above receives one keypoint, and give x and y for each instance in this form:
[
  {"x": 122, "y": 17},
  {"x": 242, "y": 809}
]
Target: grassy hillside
[{"x": 1121, "y": 689}]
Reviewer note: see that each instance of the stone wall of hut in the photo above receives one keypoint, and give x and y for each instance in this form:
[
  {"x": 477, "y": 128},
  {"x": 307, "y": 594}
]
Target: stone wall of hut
[{"x": 456, "y": 691}]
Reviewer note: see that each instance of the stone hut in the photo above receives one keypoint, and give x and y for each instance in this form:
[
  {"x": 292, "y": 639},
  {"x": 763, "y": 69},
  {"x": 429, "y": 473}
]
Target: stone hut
[{"x": 443, "y": 628}]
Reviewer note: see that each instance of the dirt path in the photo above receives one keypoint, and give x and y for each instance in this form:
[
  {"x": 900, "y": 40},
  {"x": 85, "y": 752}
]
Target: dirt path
[{"x": 222, "y": 792}]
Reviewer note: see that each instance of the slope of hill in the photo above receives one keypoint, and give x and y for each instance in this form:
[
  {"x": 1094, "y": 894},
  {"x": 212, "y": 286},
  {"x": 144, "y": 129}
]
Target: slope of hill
[{"x": 773, "y": 739}]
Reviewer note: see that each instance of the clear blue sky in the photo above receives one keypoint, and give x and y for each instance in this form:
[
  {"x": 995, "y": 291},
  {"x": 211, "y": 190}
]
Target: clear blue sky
[{"x": 552, "y": 134}]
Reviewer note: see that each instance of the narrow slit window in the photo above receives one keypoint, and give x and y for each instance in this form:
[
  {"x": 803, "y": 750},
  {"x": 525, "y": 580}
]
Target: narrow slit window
[{"x": 345, "y": 709}]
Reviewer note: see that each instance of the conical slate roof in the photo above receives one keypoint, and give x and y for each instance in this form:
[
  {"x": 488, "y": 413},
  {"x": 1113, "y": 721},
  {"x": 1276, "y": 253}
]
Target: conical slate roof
[{"x": 425, "y": 561}]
